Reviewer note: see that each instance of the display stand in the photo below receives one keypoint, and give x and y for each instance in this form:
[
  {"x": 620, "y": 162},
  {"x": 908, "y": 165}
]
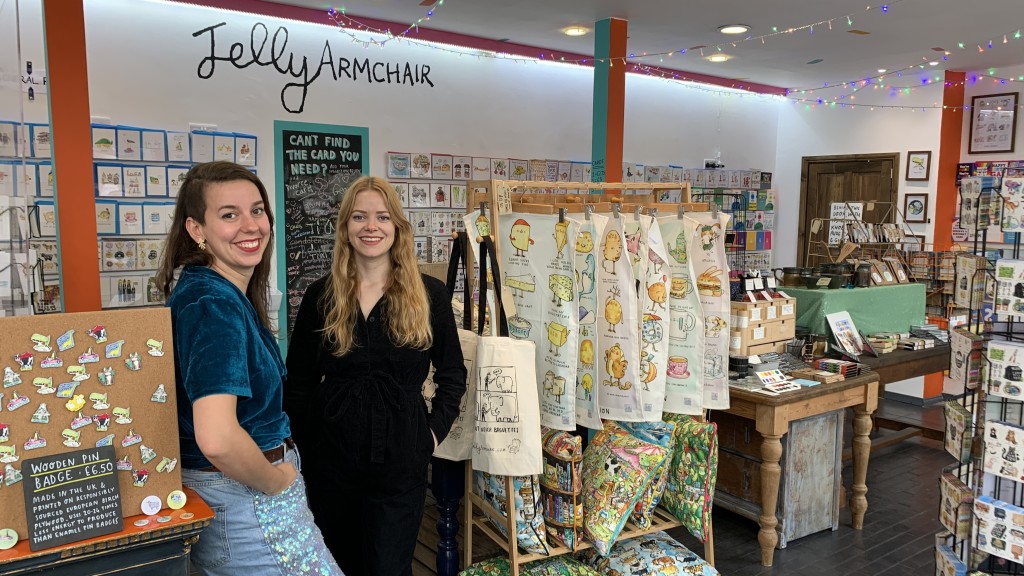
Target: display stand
[{"x": 821, "y": 250}]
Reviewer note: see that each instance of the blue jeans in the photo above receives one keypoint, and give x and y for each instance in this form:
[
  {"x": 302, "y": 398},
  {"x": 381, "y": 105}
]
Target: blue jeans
[{"x": 255, "y": 534}]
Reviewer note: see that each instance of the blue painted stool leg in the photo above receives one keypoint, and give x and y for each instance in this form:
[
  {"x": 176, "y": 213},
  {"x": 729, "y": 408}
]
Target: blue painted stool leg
[{"x": 448, "y": 483}]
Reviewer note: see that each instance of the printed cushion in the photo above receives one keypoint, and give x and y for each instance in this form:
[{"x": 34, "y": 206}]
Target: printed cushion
[
  {"x": 530, "y": 531},
  {"x": 660, "y": 433},
  {"x": 557, "y": 566},
  {"x": 692, "y": 473},
  {"x": 562, "y": 487},
  {"x": 617, "y": 467},
  {"x": 655, "y": 553}
]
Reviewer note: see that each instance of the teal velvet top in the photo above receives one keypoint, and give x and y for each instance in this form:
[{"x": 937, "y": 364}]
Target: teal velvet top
[{"x": 220, "y": 347}]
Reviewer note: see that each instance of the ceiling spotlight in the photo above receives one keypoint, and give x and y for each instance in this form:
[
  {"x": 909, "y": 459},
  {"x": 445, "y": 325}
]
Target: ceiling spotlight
[
  {"x": 575, "y": 30},
  {"x": 719, "y": 57},
  {"x": 882, "y": 70},
  {"x": 733, "y": 28},
  {"x": 933, "y": 63}
]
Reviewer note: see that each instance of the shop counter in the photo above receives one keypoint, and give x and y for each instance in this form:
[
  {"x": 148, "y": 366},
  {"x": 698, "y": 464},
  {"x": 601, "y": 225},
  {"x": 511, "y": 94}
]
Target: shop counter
[{"x": 876, "y": 309}]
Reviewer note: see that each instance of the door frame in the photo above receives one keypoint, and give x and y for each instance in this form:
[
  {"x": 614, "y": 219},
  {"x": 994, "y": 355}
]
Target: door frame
[{"x": 805, "y": 164}]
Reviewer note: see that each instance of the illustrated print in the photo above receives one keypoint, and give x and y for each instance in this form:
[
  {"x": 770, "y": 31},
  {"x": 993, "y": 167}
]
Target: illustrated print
[
  {"x": 651, "y": 333},
  {"x": 655, "y": 260},
  {"x": 613, "y": 310},
  {"x": 612, "y": 251},
  {"x": 680, "y": 287},
  {"x": 520, "y": 237},
  {"x": 633, "y": 245},
  {"x": 586, "y": 385},
  {"x": 709, "y": 283},
  {"x": 648, "y": 369},
  {"x": 615, "y": 364},
  {"x": 584, "y": 242},
  {"x": 709, "y": 235},
  {"x": 656, "y": 292},
  {"x": 558, "y": 335},
  {"x": 561, "y": 287},
  {"x": 585, "y": 279},
  {"x": 483, "y": 226},
  {"x": 561, "y": 236},
  {"x": 554, "y": 385},
  {"x": 686, "y": 323},
  {"x": 587, "y": 354},
  {"x": 498, "y": 378},
  {"x": 713, "y": 326},
  {"x": 713, "y": 366},
  {"x": 521, "y": 284},
  {"x": 497, "y": 408},
  {"x": 678, "y": 252}
]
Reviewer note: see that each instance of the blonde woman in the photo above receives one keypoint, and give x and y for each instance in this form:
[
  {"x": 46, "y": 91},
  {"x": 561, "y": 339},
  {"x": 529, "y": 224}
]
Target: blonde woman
[{"x": 363, "y": 342}]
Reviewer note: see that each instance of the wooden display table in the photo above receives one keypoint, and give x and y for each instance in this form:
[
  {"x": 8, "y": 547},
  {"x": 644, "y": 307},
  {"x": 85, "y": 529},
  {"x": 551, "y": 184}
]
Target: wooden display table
[
  {"x": 157, "y": 548},
  {"x": 772, "y": 416}
]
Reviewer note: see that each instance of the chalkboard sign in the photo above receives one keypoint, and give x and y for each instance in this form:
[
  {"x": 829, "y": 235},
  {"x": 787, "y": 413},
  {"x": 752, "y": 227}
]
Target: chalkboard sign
[
  {"x": 71, "y": 496},
  {"x": 315, "y": 164}
]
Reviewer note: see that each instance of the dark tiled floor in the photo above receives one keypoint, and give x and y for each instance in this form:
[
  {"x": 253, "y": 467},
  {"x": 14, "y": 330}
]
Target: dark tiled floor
[{"x": 898, "y": 536}]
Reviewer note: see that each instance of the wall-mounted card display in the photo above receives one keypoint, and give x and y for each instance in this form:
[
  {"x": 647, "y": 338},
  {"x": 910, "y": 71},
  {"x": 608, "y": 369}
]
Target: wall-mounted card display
[
  {"x": 421, "y": 246},
  {"x": 129, "y": 143},
  {"x": 564, "y": 171},
  {"x": 8, "y": 139},
  {"x": 109, "y": 180},
  {"x": 149, "y": 253},
  {"x": 481, "y": 168},
  {"x": 46, "y": 179},
  {"x": 156, "y": 181},
  {"x": 441, "y": 166},
  {"x": 155, "y": 218},
  {"x": 499, "y": 168},
  {"x": 440, "y": 223},
  {"x": 46, "y": 250},
  {"x": 202, "y": 146},
  {"x": 518, "y": 169},
  {"x": 134, "y": 181},
  {"x": 1006, "y": 369},
  {"x": 104, "y": 141},
  {"x": 16, "y": 227},
  {"x": 129, "y": 219},
  {"x": 440, "y": 248},
  {"x": 965, "y": 358},
  {"x": 224, "y": 147},
  {"x": 539, "y": 170},
  {"x": 398, "y": 165},
  {"x": 458, "y": 196},
  {"x": 106, "y": 217},
  {"x": 245, "y": 149},
  {"x": 1000, "y": 528},
  {"x": 440, "y": 195},
  {"x": 419, "y": 165},
  {"x": 1004, "y": 450},
  {"x": 124, "y": 291},
  {"x": 462, "y": 167},
  {"x": 1010, "y": 288},
  {"x": 118, "y": 255},
  {"x": 154, "y": 145},
  {"x": 576, "y": 171},
  {"x": 40, "y": 135},
  {"x": 8, "y": 180},
  {"x": 958, "y": 430},
  {"x": 402, "y": 189},
  {"x": 955, "y": 502},
  {"x": 175, "y": 178},
  {"x": 45, "y": 222},
  {"x": 178, "y": 147},
  {"x": 420, "y": 222},
  {"x": 419, "y": 195},
  {"x": 30, "y": 180}
]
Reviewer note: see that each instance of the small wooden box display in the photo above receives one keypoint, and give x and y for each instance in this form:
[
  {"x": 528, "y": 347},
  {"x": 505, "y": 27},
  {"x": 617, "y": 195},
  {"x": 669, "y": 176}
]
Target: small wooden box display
[{"x": 811, "y": 463}]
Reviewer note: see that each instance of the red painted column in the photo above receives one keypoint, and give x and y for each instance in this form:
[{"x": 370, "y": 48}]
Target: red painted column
[{"x": 68, "y": 78}]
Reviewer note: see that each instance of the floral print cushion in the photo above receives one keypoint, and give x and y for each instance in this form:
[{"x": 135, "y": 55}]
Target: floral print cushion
[
  {"x": 617, "y": 467},
  {"x": 651, "y": 554},
  {"x": 530, "y": 531},
  {"x": 692, "y": 473},
  {"x": 660, "y": 433},
  {"x": 561, "y": 486},
  {"x": 557, "y": 566}
]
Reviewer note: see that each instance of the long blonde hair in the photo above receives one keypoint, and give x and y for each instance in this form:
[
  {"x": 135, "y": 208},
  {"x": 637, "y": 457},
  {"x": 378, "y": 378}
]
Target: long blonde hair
[{"x": 408, "y": 311}]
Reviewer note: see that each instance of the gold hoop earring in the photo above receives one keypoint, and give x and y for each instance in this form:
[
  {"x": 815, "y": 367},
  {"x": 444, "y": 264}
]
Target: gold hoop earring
[{"x": 202, "y": 245}]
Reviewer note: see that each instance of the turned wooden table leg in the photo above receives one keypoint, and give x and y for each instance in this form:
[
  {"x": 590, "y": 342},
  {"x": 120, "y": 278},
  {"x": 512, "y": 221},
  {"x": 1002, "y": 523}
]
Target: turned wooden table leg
[
  {"x": 771, "y": 452},
  {"x": 861, "y": 453}
]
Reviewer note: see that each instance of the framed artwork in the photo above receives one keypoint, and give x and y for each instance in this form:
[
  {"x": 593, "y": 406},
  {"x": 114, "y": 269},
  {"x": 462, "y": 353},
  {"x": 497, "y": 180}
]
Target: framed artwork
[
  {"x": 913, "y": 243},
  {"x": 919, "y": 165},
  {"x": 993, "y": 123},
  {"x": 915, "y": 207}
]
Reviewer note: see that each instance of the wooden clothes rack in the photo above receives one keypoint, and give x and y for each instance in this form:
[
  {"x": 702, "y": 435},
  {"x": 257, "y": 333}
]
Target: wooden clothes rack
[{"x": 534, "y": 197}]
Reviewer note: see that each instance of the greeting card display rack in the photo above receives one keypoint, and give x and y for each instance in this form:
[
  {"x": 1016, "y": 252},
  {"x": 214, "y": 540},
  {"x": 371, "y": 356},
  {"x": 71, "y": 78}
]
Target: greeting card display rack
[
  {"x": 557, "y": 198},
  {"x": 821, "y": 250}
]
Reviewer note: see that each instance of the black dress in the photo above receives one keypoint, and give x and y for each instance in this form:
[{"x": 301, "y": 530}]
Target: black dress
[{"x": 363, "y": 430}]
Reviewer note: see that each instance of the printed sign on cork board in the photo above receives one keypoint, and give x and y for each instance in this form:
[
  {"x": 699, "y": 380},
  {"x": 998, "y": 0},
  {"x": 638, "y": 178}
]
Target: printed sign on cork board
[{"x": 88, "y": 380}]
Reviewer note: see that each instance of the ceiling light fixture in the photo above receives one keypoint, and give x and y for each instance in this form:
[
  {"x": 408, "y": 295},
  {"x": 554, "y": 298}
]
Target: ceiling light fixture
[
  {"x": 575, "y": 30},
  {"x": 718, "y": 57},
  {"x": 933, "y": 63},
  {"x": 733, "y": 28},
  {"x": 882, "y": 70}
]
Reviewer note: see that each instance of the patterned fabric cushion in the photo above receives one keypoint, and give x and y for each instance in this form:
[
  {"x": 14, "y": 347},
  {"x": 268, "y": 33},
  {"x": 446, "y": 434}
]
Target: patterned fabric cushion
[
  {"x": 692, "y": 473},
  {"x": 562, "y": 487},
  {"x": 557, "y": 566},
  {"x": 660, "y": 433},
  {"x": 617, "y": 466},
  {"x": 655, "y": 553},
  {"x": 530, "y": 531}
]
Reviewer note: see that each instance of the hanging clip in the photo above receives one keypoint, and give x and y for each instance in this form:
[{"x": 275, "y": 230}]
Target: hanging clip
[
  {"x": 588, "y": 209},
  {"x": 636, "y": 211},
  {"x": 680, "y": 211},
  {"x": 615, "y": 209},
  {"x": 714, "y": 210},
  {"x": 652, "y": 212},
  {"x": 561, "y": 215}
]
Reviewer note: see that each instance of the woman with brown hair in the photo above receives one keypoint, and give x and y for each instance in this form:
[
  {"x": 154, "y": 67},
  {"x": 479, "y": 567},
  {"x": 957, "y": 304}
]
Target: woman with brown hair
[{"x": 364, "y": 340}]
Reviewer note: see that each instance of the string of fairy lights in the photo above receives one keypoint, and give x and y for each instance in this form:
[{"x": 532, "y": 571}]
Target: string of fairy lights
[{"x": 807, "y": 96}]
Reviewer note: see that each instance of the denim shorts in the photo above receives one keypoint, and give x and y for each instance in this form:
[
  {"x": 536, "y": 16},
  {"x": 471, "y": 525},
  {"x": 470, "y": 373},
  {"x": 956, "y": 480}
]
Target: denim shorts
[{"x": 253, "y": 533}]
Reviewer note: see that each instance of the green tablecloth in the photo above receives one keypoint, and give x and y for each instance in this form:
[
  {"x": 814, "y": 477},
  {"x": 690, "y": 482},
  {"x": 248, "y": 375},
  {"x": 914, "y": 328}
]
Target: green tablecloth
[{"x": 876, "y": 309}]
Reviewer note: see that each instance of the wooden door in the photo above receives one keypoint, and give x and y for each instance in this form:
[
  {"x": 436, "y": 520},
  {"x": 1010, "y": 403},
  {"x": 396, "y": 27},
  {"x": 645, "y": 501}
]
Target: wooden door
[{"x": 868, "y": 178}]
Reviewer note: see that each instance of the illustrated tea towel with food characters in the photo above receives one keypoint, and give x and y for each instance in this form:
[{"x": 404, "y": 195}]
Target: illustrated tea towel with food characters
[
  {"x": 538, "y": 268},
  {"x": 654, "y": 317},
  {"x": 707, "y": 256},
  {"x": 588, "y": 275},
  {"x": 684, "y": 386}
]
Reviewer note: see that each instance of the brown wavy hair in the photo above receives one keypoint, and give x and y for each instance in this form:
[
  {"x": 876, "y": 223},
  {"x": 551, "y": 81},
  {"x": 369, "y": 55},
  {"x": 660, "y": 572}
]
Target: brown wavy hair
[
  {"x": 404, "y": 293},
  {"x": 181, "y": 250}
]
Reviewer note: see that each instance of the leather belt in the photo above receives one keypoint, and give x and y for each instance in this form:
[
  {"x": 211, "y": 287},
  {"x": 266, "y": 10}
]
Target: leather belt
[{"x": 272, "y": 455}]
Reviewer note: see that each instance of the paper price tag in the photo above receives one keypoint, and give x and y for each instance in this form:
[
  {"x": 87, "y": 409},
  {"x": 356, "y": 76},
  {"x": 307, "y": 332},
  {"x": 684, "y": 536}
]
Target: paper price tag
[{"x": 504, "y": 198}]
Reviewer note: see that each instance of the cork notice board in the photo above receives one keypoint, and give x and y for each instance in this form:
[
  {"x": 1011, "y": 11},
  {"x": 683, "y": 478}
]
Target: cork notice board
[{"x": 70, "y": 382}]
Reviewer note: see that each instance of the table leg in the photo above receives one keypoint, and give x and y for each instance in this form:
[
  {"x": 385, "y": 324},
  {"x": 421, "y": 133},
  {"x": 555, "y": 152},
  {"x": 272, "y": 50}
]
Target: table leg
[
  {"x": 771, "y": 452},
  {"x": 861, "y": 453}
]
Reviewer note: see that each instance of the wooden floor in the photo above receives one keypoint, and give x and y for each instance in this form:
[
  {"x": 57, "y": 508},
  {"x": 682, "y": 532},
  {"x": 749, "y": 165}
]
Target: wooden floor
[{"x": 898, "y": 536}]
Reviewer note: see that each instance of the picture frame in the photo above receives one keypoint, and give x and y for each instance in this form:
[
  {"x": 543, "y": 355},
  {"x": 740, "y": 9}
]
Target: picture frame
[
  {"x": 919, "y": 165},
  {"x": 915, "y": 208},
  {"x": 993, "y": 123}
]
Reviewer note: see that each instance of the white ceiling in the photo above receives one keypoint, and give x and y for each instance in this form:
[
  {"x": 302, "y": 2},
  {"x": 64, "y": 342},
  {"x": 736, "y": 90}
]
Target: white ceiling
[{"x": 900, "y": 38}]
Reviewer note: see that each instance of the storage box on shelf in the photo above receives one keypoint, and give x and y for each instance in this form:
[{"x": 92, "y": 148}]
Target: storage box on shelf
[{"x": 762, "y": 326}]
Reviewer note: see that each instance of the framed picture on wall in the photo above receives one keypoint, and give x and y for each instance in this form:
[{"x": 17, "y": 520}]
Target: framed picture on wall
[
  {"x": 915, "y": 208},
  {"x": 993, "y": 123},
  {"x": 919, "y": 165}
]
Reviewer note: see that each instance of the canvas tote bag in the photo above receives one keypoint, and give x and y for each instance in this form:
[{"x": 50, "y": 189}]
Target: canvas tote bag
[
  {"x": 459, "y": 442},
  {"x": 507, "y": 436}
]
